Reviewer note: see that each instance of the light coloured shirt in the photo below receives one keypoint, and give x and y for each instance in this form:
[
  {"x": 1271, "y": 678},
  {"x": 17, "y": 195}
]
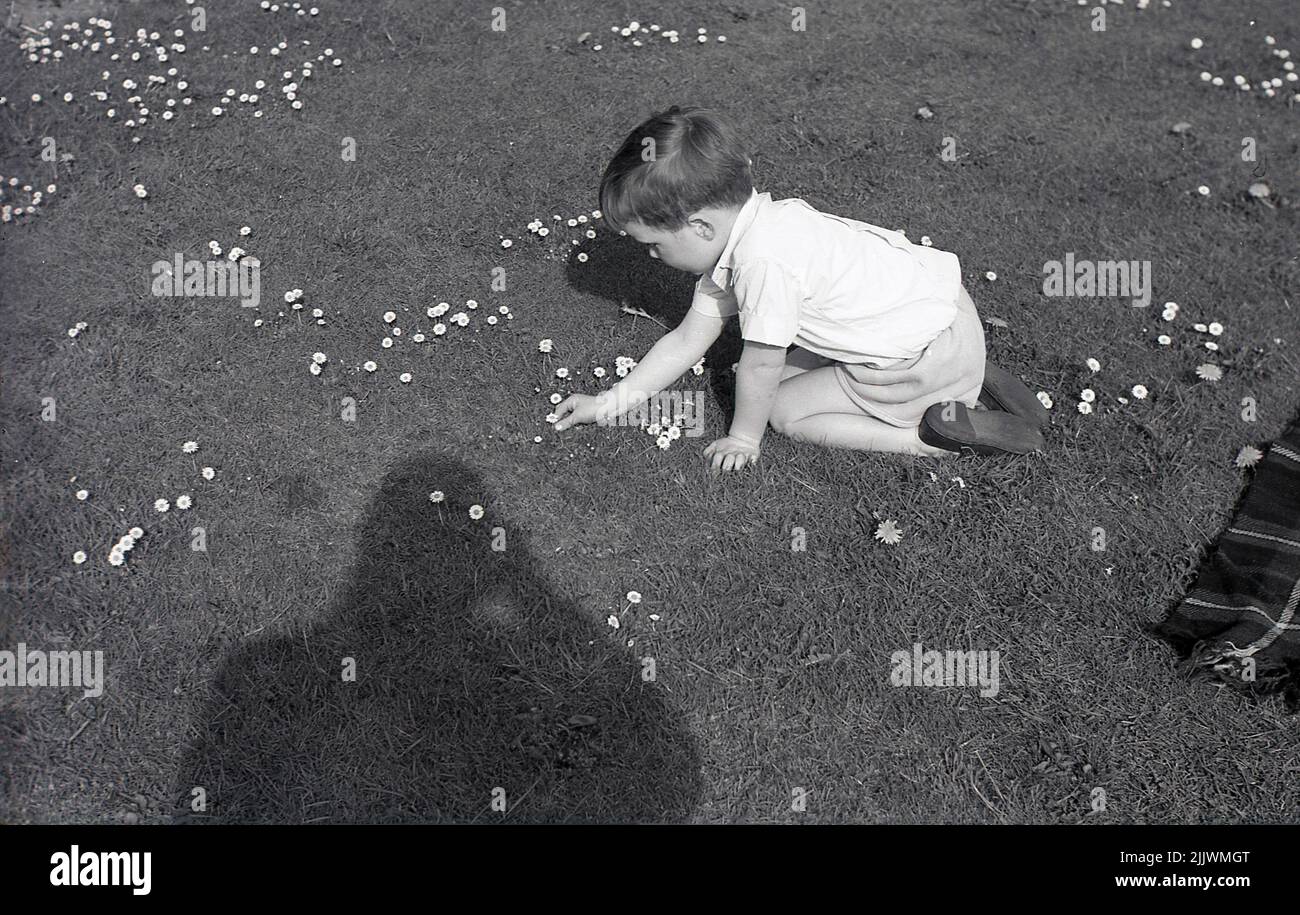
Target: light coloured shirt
[{"x": 841, "y": 288}]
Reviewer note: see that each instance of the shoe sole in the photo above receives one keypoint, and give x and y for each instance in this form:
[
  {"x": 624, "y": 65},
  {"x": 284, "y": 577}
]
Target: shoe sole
[{"x": 985, "y": 432}]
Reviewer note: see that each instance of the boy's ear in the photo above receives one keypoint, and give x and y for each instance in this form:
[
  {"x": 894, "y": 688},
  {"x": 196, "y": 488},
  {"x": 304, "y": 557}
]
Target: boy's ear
[{"x": 703, "y": 228}]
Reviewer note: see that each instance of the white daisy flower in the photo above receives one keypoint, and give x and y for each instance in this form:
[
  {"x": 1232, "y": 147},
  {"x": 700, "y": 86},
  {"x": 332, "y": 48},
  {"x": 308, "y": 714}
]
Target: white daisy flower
[
  {"x": 136, "y": 533},
  {"x": 1164, "y": 340},
  {"x": 390, "y": 317},
  {"x": 990, "y": 276},
  {"x": 1215, "y": 328},
  {"x": 561, "y": 372},
  {"x": 663, "y": 441},
  {"x": 314, "y": 369},
  {"x": 598, "y": 371},
  {"x": 1085, "y": 407},
  {"x": 405, "y": 378},
  {"x": 161, "y": 505},
  {"x": 190, "y": 447},
  {"x": 1087, "y": 395},
  {"x": 476, "y": 511},
  {"x": 1093, "y": 364},
  {"x": 555, "y": 398},
  {"x": 369, "y": 366},
  {"x": 83, "y": 494},
  {"x": 387, "y": 342},
  {"x": 545, "y": 346},
  {"x": 116, "y": 558},
  {"x": 1140, "y": 391},
  {"x": 183, "y": 502},
  {"x": 439, "y": 329},
  {"x": 208, "y": 474},
  {"x": 552, "y": 417},
  {"x": 634, "y": 597},
  {"x": 319, "y": 358},
  {"x": 79, "y": 557},
  {"x": 436, "y": 496}
]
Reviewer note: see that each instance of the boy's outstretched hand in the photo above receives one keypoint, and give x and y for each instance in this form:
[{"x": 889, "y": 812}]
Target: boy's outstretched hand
[
  {"x": 728, "y": 453},
  {"x": 576, "y": 410}
]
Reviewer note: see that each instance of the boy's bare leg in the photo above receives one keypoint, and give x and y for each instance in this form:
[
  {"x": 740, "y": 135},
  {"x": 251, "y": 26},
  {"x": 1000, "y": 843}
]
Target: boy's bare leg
[
  {"x": 812, "y": 407},
  {"x": 861, "y": 433}
]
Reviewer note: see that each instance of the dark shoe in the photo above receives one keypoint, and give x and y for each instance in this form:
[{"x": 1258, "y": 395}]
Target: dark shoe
[
  {"x": 1004, "y": 391},
  {"x": 953, "y": 426}
]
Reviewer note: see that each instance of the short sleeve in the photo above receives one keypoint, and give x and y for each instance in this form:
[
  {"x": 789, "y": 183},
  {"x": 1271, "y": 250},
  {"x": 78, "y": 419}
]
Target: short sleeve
[
  {"x": 712, "y": 300},
  {"x": 770, "y": 295}
]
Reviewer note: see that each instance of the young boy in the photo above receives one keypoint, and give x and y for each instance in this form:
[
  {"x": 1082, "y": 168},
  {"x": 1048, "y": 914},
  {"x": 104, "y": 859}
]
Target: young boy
[{"x": 888, "y": 350}]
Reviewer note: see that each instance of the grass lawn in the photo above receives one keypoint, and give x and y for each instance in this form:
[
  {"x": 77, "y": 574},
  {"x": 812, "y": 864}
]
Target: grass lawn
[{"x": 751, "y": 683}]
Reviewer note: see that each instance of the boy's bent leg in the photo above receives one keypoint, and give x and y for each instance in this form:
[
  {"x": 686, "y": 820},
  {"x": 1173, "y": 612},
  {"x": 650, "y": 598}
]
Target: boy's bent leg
[
  {"x": 813, "y": 407},
  {"x": 861, "y": 433}
]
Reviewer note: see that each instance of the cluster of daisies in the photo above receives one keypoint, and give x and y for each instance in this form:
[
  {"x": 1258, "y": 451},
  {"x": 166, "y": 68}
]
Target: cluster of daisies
[
  {"x": 461, "y": 318},
  {"x": 1088, "y": 396},
  {"x": 124, "y": 545},
  {"x": 122, "y": 97},
  {"x": 185, "y": 501},
  {"x": 12, "y": 206},
  {"x": 117, "y": 555},
  {"x": 437, "y": 497},
  {"x": 97, "y": 37},
  {"x": 298, "y": 8},
  {"x": 581, "y": 222},
  {"x": 1141, "y": 4},
  {"x": 666, "y": 430},
  {"x": 615, "y": 621},
  {"x": 127, "y": 542},
  {"x": 77, "y": 328},
  {"x": 1267, "y": 87},
  {"x": 633, "y": 33},
  {"x": 1206, "y": 371}
]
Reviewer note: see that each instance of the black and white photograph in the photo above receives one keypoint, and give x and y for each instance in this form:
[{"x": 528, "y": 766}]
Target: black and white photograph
[{"x": 872, "y": 413}]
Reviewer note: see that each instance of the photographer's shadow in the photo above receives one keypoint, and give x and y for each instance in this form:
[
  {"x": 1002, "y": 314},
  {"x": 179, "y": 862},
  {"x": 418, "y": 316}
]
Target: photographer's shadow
[{"x": 473, "y": 681}]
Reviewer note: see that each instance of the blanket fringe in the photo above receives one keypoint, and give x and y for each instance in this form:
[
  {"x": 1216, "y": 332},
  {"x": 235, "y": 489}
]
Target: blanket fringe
[{"x": 1243, "y": 670}]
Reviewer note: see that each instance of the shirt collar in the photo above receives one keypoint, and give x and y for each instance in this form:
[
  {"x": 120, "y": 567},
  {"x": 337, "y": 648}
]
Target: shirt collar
[{"x": 744, "y": 219}]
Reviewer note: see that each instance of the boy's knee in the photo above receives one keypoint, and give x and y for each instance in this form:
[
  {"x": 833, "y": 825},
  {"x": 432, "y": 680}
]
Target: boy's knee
[{"x": 780, "y": 420}]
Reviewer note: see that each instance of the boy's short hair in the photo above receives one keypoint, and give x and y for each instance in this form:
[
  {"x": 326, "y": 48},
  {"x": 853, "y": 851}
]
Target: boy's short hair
[{"x": 698, "y": 161}]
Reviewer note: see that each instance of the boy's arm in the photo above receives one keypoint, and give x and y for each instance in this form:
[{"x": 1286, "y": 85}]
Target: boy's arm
[
  {"x": 757, "y": 378},
  {"x": 670, "y": 357}
]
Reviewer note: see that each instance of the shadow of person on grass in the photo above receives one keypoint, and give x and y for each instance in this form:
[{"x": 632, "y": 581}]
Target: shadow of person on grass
[{"x": 471, "y": 676}]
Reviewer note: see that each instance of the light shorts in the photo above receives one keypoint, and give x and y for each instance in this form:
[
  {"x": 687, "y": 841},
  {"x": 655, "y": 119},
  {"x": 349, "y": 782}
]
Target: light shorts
[{"x": 951, "y": 367}]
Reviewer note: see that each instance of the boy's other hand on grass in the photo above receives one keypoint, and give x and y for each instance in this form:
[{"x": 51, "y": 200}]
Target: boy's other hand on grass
[
  {"x": 729, "y": 453},
  {"x": 576, "y": 410}
]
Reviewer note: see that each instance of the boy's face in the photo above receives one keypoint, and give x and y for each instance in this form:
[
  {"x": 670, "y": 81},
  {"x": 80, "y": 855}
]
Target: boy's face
[{"x": 694, "y": 248}]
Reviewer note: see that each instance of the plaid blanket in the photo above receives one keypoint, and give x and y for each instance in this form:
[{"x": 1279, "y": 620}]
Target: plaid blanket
[{"x": 1239, "y": 622}]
